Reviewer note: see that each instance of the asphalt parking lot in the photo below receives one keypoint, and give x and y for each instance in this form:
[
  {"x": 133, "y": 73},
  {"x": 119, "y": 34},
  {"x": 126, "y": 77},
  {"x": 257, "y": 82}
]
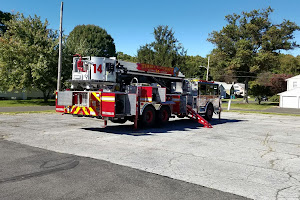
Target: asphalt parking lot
[
  {"x": 251, "y": 155},
  {"x": 34, "y": 173}
]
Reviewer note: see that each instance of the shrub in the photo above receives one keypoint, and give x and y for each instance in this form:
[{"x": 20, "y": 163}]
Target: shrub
[{"x": 274, "y": 98}]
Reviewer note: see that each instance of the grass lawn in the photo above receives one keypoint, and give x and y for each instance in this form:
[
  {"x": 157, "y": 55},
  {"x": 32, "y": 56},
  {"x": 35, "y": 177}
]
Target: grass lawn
[
  {"x": 238, "y": 99},
  {"x": 32, "y": 102},
  {"x": 261, "y": 112},
  {"x": 252, "y": 106},
  {"x": 27, "y": 112},
  {"x": 233, "y": 100}
]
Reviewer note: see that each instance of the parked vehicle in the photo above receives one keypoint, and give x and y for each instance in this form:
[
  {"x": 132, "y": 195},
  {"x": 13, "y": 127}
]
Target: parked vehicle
[{"x": 263, "y": 98}]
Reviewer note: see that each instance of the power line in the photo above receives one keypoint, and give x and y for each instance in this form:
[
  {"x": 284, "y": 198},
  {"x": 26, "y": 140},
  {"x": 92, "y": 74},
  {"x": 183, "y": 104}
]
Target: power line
[
  {"x": 247, "y": 72},
  {"x": 237, "y": 76}
]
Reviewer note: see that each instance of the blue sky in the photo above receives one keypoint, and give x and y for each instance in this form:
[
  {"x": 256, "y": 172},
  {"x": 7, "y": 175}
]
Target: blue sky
[{"x": 131, "y": 22}]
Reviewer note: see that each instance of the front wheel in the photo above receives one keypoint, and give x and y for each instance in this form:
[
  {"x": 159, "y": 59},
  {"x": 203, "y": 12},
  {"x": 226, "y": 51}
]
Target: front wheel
[
  {"x": 148, "y": 117},
  {"x": 209, "y": 112},
  {"x": 181, "y": 115}
]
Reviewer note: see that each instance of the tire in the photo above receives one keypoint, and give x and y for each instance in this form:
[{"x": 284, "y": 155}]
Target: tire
[
  {"x": 181, "y": 116},
  {"x": 148, "y": 117},
  {"x": 163, "y": 115},
  {"x": 209, "y": 112}
]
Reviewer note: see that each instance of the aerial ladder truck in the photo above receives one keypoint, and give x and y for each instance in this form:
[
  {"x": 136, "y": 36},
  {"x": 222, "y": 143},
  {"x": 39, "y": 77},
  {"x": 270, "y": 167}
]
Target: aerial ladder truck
[{"x": 115, "y": 90}]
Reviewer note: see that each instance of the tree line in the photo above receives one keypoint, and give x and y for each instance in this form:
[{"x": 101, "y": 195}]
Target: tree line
[{"x": 248, "y": 49}]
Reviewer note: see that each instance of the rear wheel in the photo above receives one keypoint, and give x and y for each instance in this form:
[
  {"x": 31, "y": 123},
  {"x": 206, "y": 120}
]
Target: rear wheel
[
  {"x": 209, "y": 112},
  {"x": 148, "y": 116},
  {"x": 163, "y": 115}
]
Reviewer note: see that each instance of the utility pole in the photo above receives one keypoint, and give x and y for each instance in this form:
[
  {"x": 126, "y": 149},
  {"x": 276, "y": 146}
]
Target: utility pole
[
  {"x": 207, "y": 69},
  {"x": 59, "y": 51}
]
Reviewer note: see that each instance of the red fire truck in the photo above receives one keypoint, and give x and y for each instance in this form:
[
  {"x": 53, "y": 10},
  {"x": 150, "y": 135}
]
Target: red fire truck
[{"x": 145, "y": 94}]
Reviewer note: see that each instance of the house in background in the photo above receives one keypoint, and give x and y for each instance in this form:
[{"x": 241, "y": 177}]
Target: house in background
[
  {"x": 19, "y": 94},
  {"x": 293, "y": 82},
  {"x": 291, "y": 97},
  {"x": 226, "y": 90}
]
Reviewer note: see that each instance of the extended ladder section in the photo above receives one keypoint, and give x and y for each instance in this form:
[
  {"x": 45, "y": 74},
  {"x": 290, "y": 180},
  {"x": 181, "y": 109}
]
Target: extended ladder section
[{"x": 195, "y": 116}]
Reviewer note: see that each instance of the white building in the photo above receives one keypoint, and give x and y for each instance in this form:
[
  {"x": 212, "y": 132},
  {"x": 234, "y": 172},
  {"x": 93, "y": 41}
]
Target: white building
[
  {"x": 293, "y": 82},
  {"x": 291, "y": 97}
]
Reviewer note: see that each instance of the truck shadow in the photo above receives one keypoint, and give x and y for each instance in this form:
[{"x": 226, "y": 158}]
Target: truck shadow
[
  {"x": 224, "y": 121},
  {"x": 176, "y": 125}
]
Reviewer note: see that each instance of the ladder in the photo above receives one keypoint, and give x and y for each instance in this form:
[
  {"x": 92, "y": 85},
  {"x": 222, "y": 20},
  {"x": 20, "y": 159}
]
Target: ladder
[{"x": 198, "y": 118}]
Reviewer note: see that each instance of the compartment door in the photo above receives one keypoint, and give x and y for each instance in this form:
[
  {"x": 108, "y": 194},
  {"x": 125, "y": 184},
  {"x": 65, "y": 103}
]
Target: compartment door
[{"x": 108, "y": 102}]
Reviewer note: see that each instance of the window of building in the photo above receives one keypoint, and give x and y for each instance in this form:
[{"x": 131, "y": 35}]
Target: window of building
[{"x": 294, "y": 84}]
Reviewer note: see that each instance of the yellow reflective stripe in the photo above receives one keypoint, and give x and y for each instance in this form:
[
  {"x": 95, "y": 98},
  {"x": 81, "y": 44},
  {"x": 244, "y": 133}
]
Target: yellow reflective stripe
[
  {"x": 92, "y": 112},
  {"x": 146, "y": 99},
  {"x": 77, "y": 110},
  {"x": 108, "y": 98},
  {"x": 96, "y": 96},
  {"x": 85, "y": 111},
  {"x": 71, "y": 111}
]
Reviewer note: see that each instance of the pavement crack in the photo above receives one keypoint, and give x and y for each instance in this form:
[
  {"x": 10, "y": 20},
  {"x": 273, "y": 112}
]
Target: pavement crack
[
  {"x": 266, "y": 143},
  {"x": 174, "y": 158},
  {"x": 292, "y": 177},
  {"x": 250, "y": 173},
  {"x": 280, "y": 190}
]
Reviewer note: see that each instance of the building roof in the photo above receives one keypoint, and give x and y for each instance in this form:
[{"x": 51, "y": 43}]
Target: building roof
[
  {"x": 225, "y": 85},
  {"x": 293, "y": 92},
  {"x": 294, "y": 77},
  {"x": 240, "y": 84}
]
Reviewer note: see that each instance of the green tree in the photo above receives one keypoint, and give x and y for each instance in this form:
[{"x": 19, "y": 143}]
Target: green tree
[
  {"x": 192, "y": 67},
  {"x": 218, "y": 67},
  {"x": 126, "y": 57},
  {"x": 4, "y": 17},
  {"x": 164, "y": 51},
  {"x": 250, "y": 43},
  {"x": 259, "y": 91},
  {"x": 268, "y": 84},
  {"x": 28, "y": 55},
  {"x": 67, "y": 67},
  {"x": 261, "y": 86},
  {"x": 90, "y": 40},
  {"x": 288, "y": 65},
  {"x": 278, "y": 83}
]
